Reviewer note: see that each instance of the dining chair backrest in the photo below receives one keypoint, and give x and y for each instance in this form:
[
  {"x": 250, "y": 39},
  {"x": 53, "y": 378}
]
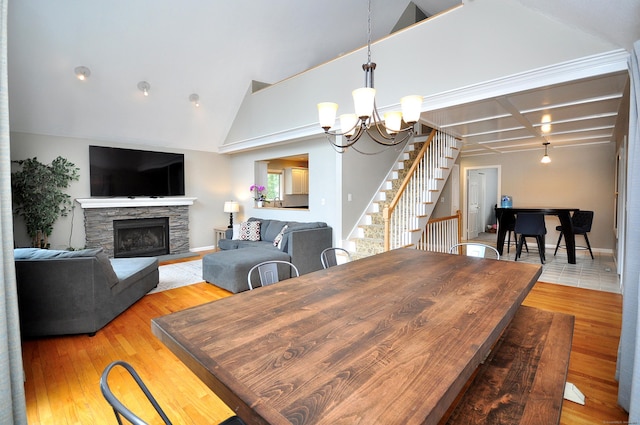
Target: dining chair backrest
[
  {"x": 474, "y": 249},
  {"x": 121, "y": 411},
  {"x": 270, "y": 272},
  {"x": 582, "y": 221},
  {"x": 329, "y": 256},
  {"x": 530, "y": 224}
]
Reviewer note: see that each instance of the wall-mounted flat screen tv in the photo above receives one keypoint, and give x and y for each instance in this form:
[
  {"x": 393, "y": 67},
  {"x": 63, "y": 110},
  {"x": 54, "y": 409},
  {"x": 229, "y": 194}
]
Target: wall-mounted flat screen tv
[{"x": 131, "y": 172}]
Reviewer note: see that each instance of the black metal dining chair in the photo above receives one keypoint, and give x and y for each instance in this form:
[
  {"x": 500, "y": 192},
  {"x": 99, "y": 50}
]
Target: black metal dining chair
[
  {"x": 121, "y": 411},
  {"x": 269, "y": 273},
  {"x": 530, "y": 225},
  {"x": 328, "y": 256},
  {"x": 581, "y": 222}
]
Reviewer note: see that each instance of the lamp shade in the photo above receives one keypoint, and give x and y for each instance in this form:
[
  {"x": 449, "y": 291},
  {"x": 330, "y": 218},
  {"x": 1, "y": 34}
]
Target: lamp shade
[
  {"x": 411, "y": 108},
  {"x": 393, "y": 121},
  {"x": 327, "y": 114},
  {"x": 231, "y": 207},
  {"x": 348, "y": 123},
  {"x": 363, "y": 99}
]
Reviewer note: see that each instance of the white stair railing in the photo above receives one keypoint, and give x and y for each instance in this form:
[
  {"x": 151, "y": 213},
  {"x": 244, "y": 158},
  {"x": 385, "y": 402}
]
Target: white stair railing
[
  {"x": 441, "y": 234},
  {"x": 407, "y": 215}
]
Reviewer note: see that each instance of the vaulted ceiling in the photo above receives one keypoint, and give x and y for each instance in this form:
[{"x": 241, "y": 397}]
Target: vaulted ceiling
[{"x": 216, "y": 48}]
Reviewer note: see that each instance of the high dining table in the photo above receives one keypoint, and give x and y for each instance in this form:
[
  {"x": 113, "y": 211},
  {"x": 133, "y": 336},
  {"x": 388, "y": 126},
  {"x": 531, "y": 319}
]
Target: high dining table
[
  {"x": 388, "y": 339},
  {"x": 507, "y": 217}
]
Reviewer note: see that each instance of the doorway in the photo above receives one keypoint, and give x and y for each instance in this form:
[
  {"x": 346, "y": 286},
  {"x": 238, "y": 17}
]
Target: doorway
[{"x": 481, "y": 194}]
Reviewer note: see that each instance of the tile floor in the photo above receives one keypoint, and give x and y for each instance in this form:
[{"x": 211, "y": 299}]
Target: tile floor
[{"x": 599, "y": 273}]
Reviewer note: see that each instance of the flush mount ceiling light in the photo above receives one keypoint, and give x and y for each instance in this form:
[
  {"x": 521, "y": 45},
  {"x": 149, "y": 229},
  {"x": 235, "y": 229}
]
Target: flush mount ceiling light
[
  {"x": 144, "y": 87},
  {"x": 545, "y": 126},
  {"x": 387, "y": 132},
  {"x": 82, "y": 72},
  {"x": 545, "y": 159},
  {"x": 195, "y": 99}
]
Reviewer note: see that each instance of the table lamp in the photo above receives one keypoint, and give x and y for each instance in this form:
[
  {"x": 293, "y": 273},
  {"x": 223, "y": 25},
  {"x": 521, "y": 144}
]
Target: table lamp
[{"x": 231, "y": 207}]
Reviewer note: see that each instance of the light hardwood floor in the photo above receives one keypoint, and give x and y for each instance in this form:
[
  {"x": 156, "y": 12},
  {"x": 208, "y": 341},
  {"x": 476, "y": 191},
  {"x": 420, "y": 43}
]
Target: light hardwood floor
[{"x": 62, "y": 373}]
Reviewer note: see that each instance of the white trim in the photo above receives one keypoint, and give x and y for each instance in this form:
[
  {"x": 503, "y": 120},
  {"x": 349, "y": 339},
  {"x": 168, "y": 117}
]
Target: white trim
[
  {"x": 133, "y": 202},
  {"x": 590, "y": 66}
]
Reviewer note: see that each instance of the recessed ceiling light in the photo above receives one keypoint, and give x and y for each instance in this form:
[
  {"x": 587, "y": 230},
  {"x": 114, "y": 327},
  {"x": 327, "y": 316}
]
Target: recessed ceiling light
[
  {"x": 82, "y": 72},
  {"x": 144, "y": 87},
  {"x": 195, "y": 99}
]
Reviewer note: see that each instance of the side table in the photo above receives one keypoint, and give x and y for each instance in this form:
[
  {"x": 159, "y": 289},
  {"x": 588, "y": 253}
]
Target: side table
[{"x": 218, "y": 234}]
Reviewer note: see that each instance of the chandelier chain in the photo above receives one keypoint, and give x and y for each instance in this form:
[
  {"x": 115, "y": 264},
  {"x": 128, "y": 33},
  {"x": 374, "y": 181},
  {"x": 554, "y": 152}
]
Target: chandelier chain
[{"x": 369, "y": 33}]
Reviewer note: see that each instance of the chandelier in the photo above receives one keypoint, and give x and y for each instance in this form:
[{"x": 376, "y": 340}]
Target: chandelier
[{"x": 394, "y": 129}]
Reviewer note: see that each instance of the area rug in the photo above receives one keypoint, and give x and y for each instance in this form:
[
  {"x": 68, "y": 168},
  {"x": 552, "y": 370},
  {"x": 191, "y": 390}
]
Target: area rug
[{"x": 179, "y": 274}]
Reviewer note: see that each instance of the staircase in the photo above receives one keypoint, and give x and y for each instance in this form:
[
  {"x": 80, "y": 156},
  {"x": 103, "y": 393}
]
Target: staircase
[{"x": 407, "y": 196}]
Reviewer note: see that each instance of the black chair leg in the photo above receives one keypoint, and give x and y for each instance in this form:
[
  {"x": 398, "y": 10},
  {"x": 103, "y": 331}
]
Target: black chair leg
[
  {"x": 519, "y": 246},
  {"x": 540, "y": 242},
  {"x": 558, "y": 244},
  {"x": 586, "y": 238}
]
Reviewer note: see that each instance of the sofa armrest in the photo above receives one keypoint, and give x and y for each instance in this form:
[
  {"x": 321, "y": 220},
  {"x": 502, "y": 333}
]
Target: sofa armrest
[{"x": 305, "y": 246}]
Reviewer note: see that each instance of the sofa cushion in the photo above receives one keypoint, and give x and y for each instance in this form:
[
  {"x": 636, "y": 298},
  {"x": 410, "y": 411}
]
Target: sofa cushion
[
  {"x": 107, "y": 269},
  {"x": 250, "y": 231},
  {"x": 236, "y": 232},
  {"x": 131, "y": 270},
  {"x": 273, "y": 229},
  {"x": 44, "y": 254},
  {"x": 277, "y": 241}
]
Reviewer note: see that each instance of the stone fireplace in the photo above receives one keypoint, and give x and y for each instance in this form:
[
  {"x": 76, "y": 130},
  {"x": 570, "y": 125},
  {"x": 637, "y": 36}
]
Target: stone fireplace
[{"x": 104, "y": 217}]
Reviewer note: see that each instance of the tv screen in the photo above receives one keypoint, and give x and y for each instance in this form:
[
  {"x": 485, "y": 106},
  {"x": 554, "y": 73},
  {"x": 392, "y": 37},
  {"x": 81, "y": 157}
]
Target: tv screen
[{"x": 131, "y": 172}]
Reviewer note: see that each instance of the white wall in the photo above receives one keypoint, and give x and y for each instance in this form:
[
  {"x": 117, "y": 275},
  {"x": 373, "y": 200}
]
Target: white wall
[
  {"x": 207, "y": 177},
  {"x": 324, "y": 183}
]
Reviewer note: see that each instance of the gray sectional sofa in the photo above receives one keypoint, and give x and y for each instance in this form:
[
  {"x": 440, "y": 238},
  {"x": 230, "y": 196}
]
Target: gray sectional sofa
[
  {"x": 75, "y": 292},
  {"x": 302, "y": 243}
]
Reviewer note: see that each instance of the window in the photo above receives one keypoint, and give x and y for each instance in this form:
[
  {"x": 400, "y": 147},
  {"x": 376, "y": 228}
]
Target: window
[
  {"x": 274, "y": 185},
  {"x": 283, "y": 190}
]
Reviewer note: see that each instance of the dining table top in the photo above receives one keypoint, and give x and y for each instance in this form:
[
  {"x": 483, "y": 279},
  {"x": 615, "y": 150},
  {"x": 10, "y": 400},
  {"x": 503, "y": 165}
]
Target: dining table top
[{"x": 388, "y": 339}]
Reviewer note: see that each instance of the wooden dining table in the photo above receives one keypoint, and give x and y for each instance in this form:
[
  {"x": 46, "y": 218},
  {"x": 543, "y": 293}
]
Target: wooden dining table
[
  {"x": 506, "y": 218},
  {"x": 387, "y": 339}
]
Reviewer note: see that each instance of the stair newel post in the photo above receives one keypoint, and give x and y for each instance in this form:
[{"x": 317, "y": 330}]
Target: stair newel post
[{"x": 386, "y": 214}]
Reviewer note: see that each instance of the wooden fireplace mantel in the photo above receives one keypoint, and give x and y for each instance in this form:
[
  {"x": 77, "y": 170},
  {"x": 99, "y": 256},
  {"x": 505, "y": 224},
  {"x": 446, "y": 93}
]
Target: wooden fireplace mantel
[{"x": 134, "y": 202}]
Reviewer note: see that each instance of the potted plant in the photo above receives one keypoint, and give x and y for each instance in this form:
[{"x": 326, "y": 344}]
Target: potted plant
[
  {"x": 38, "y": 197},
  {"x": 258, "y": 196}
]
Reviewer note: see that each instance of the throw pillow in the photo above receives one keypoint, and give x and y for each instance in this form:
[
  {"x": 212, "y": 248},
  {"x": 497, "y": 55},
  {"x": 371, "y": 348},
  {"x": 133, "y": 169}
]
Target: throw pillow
[
  {"x": 250, "y": 231},
  {"x": 277, "y": 241},
  {"x": 236, "y": 232}
]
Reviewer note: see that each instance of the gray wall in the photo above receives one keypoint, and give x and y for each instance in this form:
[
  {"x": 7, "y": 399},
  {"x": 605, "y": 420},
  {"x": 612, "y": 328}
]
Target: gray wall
[{"x": 207, "y": 177}]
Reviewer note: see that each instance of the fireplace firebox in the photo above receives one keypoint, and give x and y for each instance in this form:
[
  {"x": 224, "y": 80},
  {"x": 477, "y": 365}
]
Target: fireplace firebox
[{"x": 141, "y": 237}]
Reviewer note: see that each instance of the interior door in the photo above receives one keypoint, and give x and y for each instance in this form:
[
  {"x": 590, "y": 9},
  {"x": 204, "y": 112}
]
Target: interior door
[{"x": 473, "y": 201}]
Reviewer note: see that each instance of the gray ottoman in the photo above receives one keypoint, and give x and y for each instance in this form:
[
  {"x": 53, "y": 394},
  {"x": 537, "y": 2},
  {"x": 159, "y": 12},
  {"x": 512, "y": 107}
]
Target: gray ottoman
[{"x": 229, "y": 269}]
